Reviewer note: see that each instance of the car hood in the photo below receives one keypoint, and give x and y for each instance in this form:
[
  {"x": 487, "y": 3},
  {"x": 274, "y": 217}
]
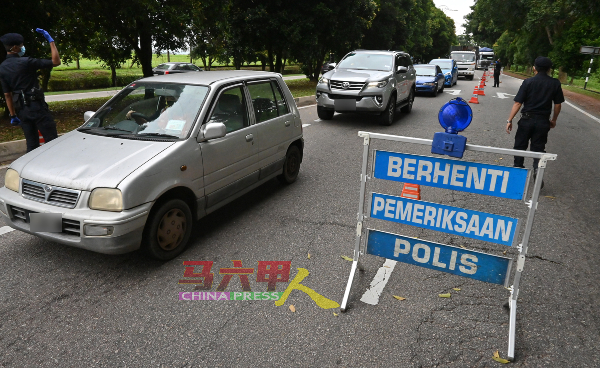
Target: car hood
[
  {"x": 352, "y": 75},
  {"x": 421, "y": 79},
  {"x": 85, "y": 161}
]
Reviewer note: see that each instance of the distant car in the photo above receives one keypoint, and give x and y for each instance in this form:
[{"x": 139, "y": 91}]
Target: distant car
[
  {"x": 327, "y": 67},
  {"x": 450, "y": 70},
  {"x": 430, "y": 79},
  {"x": 173, "y": 68}
]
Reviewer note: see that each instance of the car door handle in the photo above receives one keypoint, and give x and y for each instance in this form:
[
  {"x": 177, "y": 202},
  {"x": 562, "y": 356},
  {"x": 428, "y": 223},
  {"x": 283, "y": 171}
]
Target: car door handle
[
  {"x": 249, "y": 138},
  {"x": 288, "y": 123}
]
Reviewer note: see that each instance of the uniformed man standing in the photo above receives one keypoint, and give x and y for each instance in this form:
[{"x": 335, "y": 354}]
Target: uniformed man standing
[
  {"x": 536, "y": 95},
  {"x": 497, "y": 70},
  {"x": 24, "y": 98}
]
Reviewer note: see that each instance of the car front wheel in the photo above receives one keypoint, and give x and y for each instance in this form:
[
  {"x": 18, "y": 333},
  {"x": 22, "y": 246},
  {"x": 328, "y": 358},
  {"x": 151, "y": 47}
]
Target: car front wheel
[
  {"x": 387, "y": 117},
  {"x": 324, "y": 114},
  {"x": 168, "y": 230}
]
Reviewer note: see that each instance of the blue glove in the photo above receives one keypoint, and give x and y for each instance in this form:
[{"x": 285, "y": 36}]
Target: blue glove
[
  {"x": 48, "y": 37},
  {"x": 15, "y": 121}
]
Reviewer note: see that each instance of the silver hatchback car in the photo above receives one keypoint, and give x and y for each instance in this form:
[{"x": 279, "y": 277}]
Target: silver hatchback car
[{"x": 161, "y": 154}]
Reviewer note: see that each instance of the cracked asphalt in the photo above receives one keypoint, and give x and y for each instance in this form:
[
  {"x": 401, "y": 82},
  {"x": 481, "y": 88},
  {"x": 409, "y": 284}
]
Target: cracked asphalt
[{"x": 67, "y": 307}]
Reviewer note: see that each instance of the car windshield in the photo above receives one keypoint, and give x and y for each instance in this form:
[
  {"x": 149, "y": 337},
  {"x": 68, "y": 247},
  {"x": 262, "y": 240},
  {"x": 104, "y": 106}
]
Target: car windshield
[
  {"x": 462, "y": 57},
  {"x": 366, "y": 61},
  {"x": 444, "y": 64},
  {"x": 425, "y": 71},
  {"x": 146, "y": 110}
]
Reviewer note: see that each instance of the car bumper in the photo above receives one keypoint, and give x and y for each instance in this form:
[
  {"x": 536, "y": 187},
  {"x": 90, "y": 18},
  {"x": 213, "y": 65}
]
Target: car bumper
[
  {"x": 424, "y": 88},
  {"x": 366, "y": 104},
  {"x": 466, "y": 72},
  {"x": 128, "y": 225},
  {"x": 448, "y": 81}
]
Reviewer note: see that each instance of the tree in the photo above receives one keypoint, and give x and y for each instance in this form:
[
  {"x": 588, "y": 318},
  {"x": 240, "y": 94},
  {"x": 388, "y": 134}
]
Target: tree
[
  {"x": 443, "y": 35},
  {"x": 209, "y": 24}
]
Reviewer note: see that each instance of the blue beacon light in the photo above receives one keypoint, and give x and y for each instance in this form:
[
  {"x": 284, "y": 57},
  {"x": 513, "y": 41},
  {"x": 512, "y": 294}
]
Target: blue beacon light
[{"x": 455, "y": 116}]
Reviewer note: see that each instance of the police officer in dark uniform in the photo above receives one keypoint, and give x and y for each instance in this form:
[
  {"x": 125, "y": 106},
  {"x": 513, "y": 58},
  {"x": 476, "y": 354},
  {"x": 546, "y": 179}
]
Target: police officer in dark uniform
[
  {"x": 24, "y": 98},
  {"x": 497, "y": 70},
  {"x": 536, "y": 95}
]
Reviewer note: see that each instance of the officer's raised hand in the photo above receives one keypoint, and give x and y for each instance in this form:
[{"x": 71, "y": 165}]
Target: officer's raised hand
[
  {"x": 45, "y": 34},
  {"x": 15, "y": 121}
]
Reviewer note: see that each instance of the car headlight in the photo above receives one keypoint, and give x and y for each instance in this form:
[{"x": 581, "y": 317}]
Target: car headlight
[
  {"x": 106, "y": 199},
  {"x": 429, "y": 84},
  {"x": 12, "y": 180},
  {"x": 323, "y": 80},
  {"x": 379, "y": 84}
]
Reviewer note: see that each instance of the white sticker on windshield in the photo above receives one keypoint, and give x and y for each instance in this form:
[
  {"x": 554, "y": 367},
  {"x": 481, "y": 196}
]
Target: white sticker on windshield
[{"x": 175, "y": 125}]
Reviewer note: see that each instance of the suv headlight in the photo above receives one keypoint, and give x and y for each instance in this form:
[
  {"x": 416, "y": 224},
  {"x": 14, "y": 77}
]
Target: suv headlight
[
  {"x": 12, "y": 180},
  {"x": 323, "y": 80},
  {"x": 106, "y": 199},
  {"x": 379, "y": 84}
]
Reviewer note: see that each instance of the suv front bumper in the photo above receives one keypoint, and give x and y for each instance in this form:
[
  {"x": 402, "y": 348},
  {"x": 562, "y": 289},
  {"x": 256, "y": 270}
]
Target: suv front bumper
[
  {"x": 128, "y": 225},
  {"x": 366, "y": 104}
]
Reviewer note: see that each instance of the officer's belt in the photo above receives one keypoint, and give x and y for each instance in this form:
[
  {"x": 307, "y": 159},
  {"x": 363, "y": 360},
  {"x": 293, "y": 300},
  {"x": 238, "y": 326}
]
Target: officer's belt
[{"x": 530, "y": 115}]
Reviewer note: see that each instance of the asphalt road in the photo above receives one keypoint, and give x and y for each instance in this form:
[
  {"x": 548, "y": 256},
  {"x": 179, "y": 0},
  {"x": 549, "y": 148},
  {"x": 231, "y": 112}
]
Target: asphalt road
[{"x": 67, "y": 307}]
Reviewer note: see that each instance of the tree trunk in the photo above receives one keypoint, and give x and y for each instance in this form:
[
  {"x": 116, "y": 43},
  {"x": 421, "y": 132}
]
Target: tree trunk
[
  {"x": 77, "y": 61},
  {"x": 278, "y": 62},
  {"x": 270, "y": 57},
  {"x": 113, "y": 75},
  {"x": 210, "y": 61},
  {"x": 168, "y": 56},
  {"x": 571, "y": 81},
  {"x": 283, "y": 64},
  {"x": 562, "y": 76},
  {"x": 145, "y": 54}
]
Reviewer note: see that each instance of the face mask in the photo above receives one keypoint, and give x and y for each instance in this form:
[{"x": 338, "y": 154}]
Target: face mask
[{"x": 22, "y": 52}]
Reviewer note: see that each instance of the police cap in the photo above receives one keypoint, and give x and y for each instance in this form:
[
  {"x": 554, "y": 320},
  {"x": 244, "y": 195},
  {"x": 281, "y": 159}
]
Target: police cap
[
  {"x": 11, "y": 39},
  {"x": 543, "y": 62}
]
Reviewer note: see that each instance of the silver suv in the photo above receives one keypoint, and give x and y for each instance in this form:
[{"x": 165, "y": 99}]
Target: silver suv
[
  {"x": 161, "y": 154},
  {"x": 375, "y": 82}
]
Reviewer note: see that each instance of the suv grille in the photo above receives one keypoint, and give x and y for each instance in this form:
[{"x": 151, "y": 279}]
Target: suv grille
[
  {"x": 349, "y": 86},
  {"x": 69, "y": 227},
  {"x": 61, "y": 197}
]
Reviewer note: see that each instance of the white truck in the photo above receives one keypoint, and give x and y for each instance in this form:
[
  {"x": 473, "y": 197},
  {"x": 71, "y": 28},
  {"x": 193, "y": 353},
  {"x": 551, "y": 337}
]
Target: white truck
[
  {"x": 486, "y": 58},
  {"x": 466, "y": 62}
]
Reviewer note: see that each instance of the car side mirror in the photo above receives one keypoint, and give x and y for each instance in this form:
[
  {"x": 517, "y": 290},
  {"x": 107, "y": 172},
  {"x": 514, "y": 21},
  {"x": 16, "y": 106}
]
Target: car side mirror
[
  {"x": 87, "y": 115},
  {"x": 401, "y": 69},
  {"x": 211, "y": 131}
]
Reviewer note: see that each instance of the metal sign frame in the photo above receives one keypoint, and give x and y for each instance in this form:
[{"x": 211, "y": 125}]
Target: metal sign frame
[{"x": 522, "y": 247}]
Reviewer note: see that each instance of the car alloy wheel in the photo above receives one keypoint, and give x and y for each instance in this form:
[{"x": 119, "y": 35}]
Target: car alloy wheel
[{"x": 171, "y": 229}]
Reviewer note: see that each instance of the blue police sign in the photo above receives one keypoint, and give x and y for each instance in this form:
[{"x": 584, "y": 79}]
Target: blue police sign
[
  {"x": 440, "y": 257},
  {"x": 492, "y": 180},
  {"x": 452, "y": 220}
]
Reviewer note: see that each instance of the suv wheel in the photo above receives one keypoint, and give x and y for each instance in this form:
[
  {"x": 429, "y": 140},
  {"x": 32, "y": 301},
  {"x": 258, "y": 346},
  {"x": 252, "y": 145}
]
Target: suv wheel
[
  {"x": 291, "y": 166},
  {"x": 387, "y": 117},
  {"x": 324, "y": 114},
  {"x": 411, "y": 98},
  {"x": 168, "y": 230}
]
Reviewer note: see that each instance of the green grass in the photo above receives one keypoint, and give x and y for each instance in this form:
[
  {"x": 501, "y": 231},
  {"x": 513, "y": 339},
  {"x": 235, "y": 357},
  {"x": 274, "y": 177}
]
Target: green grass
[
  {"x": 69, "y": 114},
  {"x": 581, "y": 91},
  {"x": 82, "y": 91}
]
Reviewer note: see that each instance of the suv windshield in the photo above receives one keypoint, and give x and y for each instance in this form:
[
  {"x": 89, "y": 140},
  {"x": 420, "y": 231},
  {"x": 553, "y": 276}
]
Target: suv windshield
[
  {"x": 366, "y": 61},
  {"x": 444, "y": 64},
  {"x": 460, "y": 57},
  {"x": 426, "y": 71},
  {"x": 140, "y": 110}
]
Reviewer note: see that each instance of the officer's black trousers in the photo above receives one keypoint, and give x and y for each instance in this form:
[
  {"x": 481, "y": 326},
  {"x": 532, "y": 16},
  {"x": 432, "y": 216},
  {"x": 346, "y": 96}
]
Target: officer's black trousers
[
  {"x": 496, "y": 80},
  {"x": 534, "y": 130},
  {"x": 34, "y": 117}
]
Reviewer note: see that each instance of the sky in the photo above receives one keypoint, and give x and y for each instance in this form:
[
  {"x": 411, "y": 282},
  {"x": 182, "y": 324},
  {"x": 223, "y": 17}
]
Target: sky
[{"x": 462, "y": 7}]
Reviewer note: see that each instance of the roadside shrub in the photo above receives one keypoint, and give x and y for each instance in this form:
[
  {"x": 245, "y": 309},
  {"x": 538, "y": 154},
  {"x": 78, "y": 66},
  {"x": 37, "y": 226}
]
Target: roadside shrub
[{"x": 61, "y": 81}]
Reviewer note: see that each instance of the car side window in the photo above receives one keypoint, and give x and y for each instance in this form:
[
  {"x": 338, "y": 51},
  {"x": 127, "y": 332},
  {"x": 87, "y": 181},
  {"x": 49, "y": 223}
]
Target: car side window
[
  {"x": 193, "y": 67},
  {"x": 263, "y": 100},
  {"x": 438, "y": 70},
  {"x": 231, "y": 110},
  {"x": 407, "y": 61},
  {"x": 282, "y": 106}
]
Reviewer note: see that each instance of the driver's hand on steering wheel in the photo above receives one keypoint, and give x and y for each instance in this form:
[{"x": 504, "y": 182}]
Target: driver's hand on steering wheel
[{"x": 128, "y": 116}]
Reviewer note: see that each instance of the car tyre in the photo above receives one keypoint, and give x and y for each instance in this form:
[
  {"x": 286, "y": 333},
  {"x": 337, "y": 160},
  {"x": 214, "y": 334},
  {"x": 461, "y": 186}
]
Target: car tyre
[
  {"x": 291, "y": 166},
  {"x": 411, "y": 98},
  {"x": 387, "y": 117},
  {"x": 470, "y": 77},
  {"x": 442, "y": 89},
  {"x": 434, "y": 93},
  {"x": 324, "y": 114},
  {"x": 168, "y": 229}
]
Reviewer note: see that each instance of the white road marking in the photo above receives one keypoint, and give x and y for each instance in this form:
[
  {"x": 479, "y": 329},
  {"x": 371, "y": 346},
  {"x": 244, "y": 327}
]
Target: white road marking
[
  {"x": 371, "y": 296},
  {"x": 316, "y": 121},
  {"x": 504, "y": 95},
  {"x": 582, "y": 111},
  {"x": 5, "y": 229},
  {"x": 453, "y": 92},
  {"x": 305, "y": 125}
]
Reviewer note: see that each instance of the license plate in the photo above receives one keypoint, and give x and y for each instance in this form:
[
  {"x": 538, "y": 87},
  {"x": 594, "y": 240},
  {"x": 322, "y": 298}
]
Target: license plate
[
  {"x": 45, "y": 222},
  {"x": 345, "y": 104}
]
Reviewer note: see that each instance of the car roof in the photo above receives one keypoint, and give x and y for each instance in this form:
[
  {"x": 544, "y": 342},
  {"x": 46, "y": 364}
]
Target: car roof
[
  {"x": 440, "y": 60},
  {"x": 209, "y": 77},
  {"x": 382, "y": 51},
  {"x": 427, "y": 65}
]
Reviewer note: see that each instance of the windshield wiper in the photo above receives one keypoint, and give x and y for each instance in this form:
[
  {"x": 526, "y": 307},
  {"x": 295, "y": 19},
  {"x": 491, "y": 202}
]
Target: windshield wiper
[
  {"x": 112, "y": 127},
  {"x": 159, "y": 135}
]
